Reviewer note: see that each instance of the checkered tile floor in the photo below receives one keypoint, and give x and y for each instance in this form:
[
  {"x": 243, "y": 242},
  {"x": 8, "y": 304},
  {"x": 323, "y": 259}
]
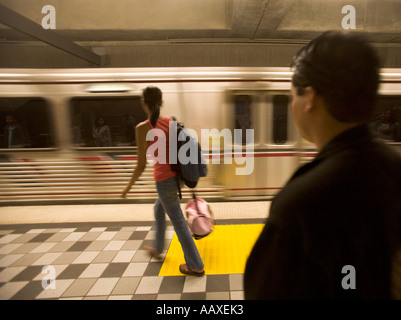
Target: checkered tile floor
[{"x": 102, "y": 261}]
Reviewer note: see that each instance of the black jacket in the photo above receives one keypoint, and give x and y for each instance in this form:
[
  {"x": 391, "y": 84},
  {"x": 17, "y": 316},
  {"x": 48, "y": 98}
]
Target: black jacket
[
  {"x": 341, "y": 209},
  {"x": 19, "y": 139}
]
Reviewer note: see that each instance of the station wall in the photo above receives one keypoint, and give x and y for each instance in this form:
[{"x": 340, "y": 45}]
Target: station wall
[{"x": 38, "y": 55}]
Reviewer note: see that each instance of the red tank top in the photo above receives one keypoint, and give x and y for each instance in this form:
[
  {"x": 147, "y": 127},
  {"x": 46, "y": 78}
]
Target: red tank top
[{"x": 158, "y": 150}]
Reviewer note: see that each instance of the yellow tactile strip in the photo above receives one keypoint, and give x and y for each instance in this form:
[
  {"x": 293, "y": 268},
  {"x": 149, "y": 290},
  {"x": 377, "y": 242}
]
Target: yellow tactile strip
[{"x": 224, "y": 251}]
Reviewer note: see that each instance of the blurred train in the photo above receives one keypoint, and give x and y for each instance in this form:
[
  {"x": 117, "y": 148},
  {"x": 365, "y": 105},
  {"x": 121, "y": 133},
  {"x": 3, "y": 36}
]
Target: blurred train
[{"x": 49, "y": 152}]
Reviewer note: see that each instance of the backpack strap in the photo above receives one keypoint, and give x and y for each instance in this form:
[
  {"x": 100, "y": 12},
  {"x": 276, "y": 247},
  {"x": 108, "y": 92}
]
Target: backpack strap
[
  {"x": 196, "y": 201},
  {"x": 177, "y": 178}
]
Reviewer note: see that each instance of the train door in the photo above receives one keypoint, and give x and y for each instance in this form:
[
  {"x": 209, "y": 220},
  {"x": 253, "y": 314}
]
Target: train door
[
  {"x": 278, "y": 153},
  {"x": 237, "y": 172},
  {"x": 267, "y": 144}
]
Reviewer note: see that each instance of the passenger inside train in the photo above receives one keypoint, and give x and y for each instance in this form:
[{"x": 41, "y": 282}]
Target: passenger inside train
[
  {"x": 387, "y": 126},
  {"x": 15, "y": 134},
  {"x": 101, "y": 133},
  {"x": 26, "y": 123}
]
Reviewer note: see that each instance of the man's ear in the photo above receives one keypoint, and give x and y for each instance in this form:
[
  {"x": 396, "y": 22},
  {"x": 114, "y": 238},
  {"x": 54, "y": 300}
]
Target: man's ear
[{"x": 310, "y": 96}]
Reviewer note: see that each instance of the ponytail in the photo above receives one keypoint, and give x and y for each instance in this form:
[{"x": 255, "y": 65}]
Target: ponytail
[
  {"x": 153, "y": 98},
  {"x": 155, "y": 115}
]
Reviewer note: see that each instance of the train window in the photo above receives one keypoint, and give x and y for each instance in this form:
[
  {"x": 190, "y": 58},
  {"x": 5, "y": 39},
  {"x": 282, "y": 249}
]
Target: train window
[
  {"x": 25, "y": 123},
  {"x": 243, "y": 116},
  {"x": 280, "y": 119},
  {"x": 386, "y": 121},
  {"x": 105, "y": 121}
]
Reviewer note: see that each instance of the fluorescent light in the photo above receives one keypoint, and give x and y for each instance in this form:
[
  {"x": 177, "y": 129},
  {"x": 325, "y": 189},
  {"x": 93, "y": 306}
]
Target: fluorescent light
[{"x": 109, "y": 87}]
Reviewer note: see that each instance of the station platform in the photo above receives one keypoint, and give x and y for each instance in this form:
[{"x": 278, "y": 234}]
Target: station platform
[{"x": 97, "y": 252}]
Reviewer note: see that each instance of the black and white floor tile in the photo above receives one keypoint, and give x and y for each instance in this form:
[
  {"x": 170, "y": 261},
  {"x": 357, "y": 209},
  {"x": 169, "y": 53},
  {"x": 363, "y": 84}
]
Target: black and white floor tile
[{"x": 103, "y": 261}]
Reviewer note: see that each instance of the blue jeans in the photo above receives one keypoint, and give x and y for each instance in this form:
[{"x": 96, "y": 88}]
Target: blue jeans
[{"x": 169, "y": 203}]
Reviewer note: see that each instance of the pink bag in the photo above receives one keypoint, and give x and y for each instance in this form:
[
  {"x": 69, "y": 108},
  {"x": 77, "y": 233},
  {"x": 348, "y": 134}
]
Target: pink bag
[{"x": 200, "y": 220}]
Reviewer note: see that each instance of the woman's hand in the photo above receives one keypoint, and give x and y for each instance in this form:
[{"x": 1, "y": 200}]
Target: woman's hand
[{"x": 125, "y": 191}]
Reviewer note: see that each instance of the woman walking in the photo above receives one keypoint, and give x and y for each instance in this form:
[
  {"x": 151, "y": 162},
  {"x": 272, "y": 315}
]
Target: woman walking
[{"x": 166, "y": 184}]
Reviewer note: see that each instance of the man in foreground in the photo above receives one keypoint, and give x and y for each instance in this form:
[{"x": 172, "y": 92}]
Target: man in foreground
[{"x": 334, "y": 229}]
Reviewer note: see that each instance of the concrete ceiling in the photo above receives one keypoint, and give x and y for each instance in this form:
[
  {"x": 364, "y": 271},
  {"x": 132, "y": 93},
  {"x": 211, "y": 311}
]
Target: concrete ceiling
[{"x": 277, "y": 21}]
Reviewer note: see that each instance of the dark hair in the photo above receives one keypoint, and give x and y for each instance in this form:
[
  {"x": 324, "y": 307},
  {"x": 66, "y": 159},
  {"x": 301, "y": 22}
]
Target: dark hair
[
  {"x": 344, "y": 69},
  {"x": 153, "y": 98},
  {"x": 98, "y": 119}
]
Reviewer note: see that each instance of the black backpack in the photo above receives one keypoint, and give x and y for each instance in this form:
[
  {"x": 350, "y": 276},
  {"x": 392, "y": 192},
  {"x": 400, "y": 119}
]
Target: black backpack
[{"x": 188, "y": 171}]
